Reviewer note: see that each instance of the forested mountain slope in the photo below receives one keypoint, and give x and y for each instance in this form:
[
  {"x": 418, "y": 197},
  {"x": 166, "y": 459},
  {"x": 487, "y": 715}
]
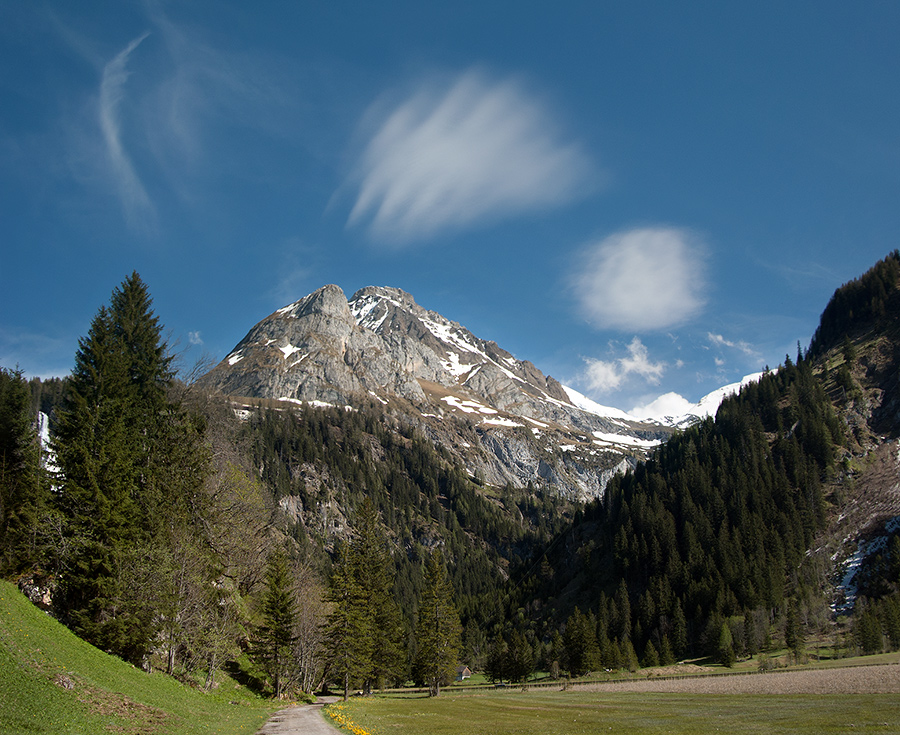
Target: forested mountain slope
[
  {"x": 321, "y": 464},
  {"x": 737, "y": 523}
]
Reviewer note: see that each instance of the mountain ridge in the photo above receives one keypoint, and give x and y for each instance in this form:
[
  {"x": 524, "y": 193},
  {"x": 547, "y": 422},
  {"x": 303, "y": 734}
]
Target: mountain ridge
[{"x": 519, "y": 425}]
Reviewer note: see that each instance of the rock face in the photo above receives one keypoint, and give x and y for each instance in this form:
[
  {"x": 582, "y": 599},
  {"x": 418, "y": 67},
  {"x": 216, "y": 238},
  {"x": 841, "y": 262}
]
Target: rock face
[
  {"x": 505, "y": 418},
  {"x": 312, "y": 350}
]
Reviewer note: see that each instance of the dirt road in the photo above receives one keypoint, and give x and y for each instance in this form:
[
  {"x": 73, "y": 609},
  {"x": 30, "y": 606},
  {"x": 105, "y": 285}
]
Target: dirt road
[{"x": 302, "y": 719}]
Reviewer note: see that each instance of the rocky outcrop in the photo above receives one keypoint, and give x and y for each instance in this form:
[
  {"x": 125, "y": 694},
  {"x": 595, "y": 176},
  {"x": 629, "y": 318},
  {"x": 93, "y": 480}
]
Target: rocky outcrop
[{"x": 312, "y": 350}]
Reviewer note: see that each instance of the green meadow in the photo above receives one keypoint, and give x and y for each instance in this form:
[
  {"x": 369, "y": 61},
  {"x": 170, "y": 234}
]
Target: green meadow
[
  {"x": 53, "y": 682},
  {"x": 576, "y": 713}
]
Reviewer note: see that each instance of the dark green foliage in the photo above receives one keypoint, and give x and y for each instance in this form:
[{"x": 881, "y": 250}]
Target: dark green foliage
[
  {"x": 276, "y": 634},
  {"x": 876, "y": 622},
  {"x": 794, "y": 638},
  {"x": 496, "y": 667},
  {"x": 582, "y": 653},
  {"x": 348, "y": 638},
  {"x": 438, "y": 631},
  {"x": 867, "y": 629},
  {"x": 131, "y": 470},
  {"x": 332, "y": 457},
  {"x": 725, "y": 646},
  {"x": 374, "y": 572},
  {"x": 510, "y": 660},
  {"x": 717, "y": 523},
  {"x": 520, "y": 661},
  {"x": 859, "y": 303},
  {"x": 365, "y": 628},
  {"x": 24, "y": 491}
]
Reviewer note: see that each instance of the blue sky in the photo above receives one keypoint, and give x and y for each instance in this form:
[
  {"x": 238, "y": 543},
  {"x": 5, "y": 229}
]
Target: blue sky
[{"x": 642, "y": 198}]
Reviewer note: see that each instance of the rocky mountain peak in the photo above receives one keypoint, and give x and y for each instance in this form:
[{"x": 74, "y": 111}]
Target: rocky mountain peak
[
  {"x": 523, "y": 426},
  {"x": 327, "y": 301}
]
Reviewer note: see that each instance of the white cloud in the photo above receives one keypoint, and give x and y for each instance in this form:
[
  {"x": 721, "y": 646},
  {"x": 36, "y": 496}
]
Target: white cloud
[
  {"x": 450, "y": 157},
  {"x": 112, "y": 89},
  {"x": 601, "y": 375},
  {"x": 194, "y": 338},
  {"x": 642, "y": 279},
  {"x": 666, "y": 405}
]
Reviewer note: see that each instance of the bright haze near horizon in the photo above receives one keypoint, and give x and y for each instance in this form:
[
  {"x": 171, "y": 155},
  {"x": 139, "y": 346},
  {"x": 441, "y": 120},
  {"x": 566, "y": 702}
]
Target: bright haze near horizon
[{"x": 643, "y": 199}]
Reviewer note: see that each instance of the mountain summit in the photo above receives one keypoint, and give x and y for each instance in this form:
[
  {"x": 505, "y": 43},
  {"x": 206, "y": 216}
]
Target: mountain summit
[{"x": 509, "y": 421}]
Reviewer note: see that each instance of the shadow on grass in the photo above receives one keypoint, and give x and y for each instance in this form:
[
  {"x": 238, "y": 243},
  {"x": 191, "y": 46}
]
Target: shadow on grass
[{"x": 245, "y": 678}]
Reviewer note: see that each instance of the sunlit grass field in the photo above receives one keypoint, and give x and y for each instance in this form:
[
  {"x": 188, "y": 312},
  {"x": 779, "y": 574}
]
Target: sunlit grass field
[
  {"x": 570, "y": 713},
  {"x": 53, "y": 682}
]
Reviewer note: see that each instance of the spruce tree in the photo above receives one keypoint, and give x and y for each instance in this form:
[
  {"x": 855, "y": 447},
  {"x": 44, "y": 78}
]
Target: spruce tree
[
  {"x": 580, "y": 641},
  {"x": 130, "y": 464},
  {"x": 98, "y": 491},
  {"x": 24, "y": 492},
  {"x": 438, "y": 630},
  {"x": 373, "y": 568},
  {"x": 276, "y": 635},
  {"x": 348, "y": 645}
]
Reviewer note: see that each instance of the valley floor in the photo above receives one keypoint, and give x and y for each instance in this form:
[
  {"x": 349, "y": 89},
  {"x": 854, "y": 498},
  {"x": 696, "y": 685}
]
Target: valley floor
[{"x": 882, "y": 679}]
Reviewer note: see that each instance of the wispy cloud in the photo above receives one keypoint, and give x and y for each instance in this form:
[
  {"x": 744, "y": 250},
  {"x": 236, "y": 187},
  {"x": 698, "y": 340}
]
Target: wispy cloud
[
  {"x": 163, "y": 118},
  {"x": 130, "y": 188},
  {"x": 642, "y": 279},
  {"x": 719, "y": 341},
  {"x": 601, "y": 375},
  {"x": 452, "y": 156},
  {"x": 36, "y": 354}
]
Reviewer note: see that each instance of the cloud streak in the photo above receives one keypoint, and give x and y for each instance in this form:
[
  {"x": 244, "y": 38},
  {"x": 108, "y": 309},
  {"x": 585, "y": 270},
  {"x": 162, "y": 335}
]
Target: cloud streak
[
  {"x": 112, "y": 89},
  {"x": 452, "y": 157},
  {"x": 719, "y": 341},
  {"x": 641, "y": 280}
]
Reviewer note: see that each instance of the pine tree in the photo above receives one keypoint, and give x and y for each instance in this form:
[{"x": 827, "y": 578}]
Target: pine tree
[
  {"x": 497, "y": 666},
  {"x": 98, "y": 493},
  {"x": 725, "y": 646},
  {"x": 438, "y": 630},
  {"x": 348, "y": 645},
  {"x": 373, "y": 568},
  {"x": 521, "y": 657},
  {"x": 276, "y": 635},
  {"x": 131, "y": 467},
  {"x": 580, "y": 641},
  {"x": 793, "y": 632},
  {"x": 24, "y": 492}
]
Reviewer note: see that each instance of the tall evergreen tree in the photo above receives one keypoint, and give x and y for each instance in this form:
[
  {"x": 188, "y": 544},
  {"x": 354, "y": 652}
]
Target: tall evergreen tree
[
  {"x": 580, "y": 640},
  {"x": 373, "y": 569},
  {"x": 24, "y": 492},
  {"x": 348, "y": 645},
  {"x": 438, "y": 633},
  {"x": 130, "y": 463},
  {"x": 276, "y": 635}
]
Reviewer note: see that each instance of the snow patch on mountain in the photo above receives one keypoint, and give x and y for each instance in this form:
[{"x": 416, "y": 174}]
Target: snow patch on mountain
[
  {"x": 586, "y": 404},
  {"x": 672, "y": 409}
]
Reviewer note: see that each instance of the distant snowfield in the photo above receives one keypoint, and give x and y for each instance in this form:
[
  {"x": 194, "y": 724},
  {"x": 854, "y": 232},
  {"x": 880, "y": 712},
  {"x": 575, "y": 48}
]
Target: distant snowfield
[{"x": 674, "y": 410}]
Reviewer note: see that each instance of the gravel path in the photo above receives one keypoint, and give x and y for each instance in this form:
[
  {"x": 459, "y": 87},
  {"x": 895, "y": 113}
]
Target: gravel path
[
  {"x": 301, "y": 719},
  {"x": 851, "y": 680}
]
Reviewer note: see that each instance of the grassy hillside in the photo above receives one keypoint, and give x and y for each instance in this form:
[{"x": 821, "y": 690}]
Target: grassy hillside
[{"x": 53, "y": 682}]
